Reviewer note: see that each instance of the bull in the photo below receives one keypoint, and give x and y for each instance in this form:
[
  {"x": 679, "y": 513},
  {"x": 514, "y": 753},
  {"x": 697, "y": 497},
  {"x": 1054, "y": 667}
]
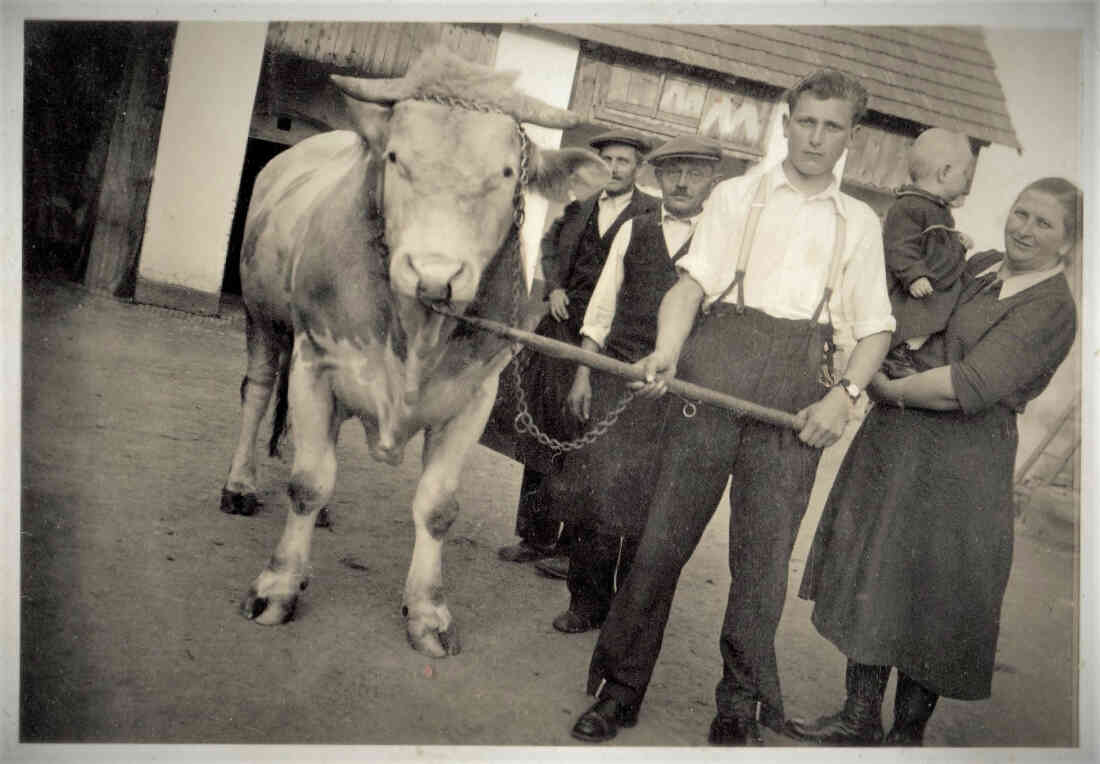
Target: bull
[{"x": 352, "y": 238}]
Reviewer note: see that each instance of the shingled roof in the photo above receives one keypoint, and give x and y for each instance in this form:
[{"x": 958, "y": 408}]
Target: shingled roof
[{"x": 941, "y": 76}]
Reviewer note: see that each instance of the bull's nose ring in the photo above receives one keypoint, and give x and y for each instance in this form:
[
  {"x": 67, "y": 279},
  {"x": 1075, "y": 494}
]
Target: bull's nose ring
[{"x": 441, "y": 294}]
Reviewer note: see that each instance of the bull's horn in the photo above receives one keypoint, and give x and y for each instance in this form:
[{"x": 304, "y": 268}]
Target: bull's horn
[
  {"x": 380, "y": 90},
  {"x": 528, "y": 109}
]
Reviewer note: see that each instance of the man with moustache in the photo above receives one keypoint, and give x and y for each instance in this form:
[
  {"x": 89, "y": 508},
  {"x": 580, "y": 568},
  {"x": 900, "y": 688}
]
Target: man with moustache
[
  {"x": 777, "y": 257},
  {"x": 574, "y": 250},
  {"x": 603, "y": 489}
]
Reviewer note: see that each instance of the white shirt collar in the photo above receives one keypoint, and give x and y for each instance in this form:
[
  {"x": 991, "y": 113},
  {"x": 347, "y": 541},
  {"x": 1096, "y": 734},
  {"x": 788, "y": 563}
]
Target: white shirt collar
[
  {"x": 1013, "y": 285},
  {"x": 777, "y": 178},
  {"x": 621, "y": 200},
  {"x": 668, "y": 216}
]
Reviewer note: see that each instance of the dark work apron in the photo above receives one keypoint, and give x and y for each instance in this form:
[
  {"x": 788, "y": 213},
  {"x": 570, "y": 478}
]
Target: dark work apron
[{"x": 606, "y": 486}]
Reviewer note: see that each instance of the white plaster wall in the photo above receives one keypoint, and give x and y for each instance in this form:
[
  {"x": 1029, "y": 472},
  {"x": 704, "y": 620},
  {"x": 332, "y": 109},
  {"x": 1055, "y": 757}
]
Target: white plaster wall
[
  {"x": 547, "y": 63},
  {"x": 211, "y": 87}
]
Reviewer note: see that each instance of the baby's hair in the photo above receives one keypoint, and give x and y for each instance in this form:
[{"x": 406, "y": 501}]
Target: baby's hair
[
  {"x": 829, "y": 83},
  {"x": 934, "y": 148}
]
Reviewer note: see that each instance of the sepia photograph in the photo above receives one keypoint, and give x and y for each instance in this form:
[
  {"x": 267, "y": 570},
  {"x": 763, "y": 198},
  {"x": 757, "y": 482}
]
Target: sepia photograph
[{"x": 412, "y": 383}]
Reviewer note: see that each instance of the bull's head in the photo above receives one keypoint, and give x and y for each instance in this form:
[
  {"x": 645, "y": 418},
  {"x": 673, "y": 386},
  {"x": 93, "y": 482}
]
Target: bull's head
[{"x": 448, "y": 135}]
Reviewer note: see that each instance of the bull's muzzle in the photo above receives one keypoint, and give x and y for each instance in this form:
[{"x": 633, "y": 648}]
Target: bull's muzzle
[
  {"x": 433, "y": 292},
  {"x": 437, "y": 277}
]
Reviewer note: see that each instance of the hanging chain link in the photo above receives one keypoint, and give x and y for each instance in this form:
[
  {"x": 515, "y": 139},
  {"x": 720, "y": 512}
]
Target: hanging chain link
[{"x": 524, "y": 423}]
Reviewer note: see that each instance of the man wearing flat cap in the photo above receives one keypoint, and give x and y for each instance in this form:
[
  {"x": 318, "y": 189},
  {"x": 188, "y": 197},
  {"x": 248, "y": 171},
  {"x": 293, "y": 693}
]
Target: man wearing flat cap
[
  {"x": 573, "y": 253},
  {"x": 603, "y": 489}
]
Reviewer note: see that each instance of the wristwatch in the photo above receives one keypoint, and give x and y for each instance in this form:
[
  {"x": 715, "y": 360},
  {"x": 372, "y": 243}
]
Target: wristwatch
[{"x": 850, "y": 388}]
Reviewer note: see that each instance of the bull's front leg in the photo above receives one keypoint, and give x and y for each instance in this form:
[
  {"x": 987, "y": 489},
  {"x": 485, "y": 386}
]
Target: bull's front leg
[
  {"x": 315, "y": 425},
  {"x": 431, "y": 628}
]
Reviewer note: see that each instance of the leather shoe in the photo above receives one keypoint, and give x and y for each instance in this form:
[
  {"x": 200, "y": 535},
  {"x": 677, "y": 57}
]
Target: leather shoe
[
  {"x": 575, "y": 623},
  {"x": 849, "y": 726},
  {"x": 524, "y": 552},
  {"x": 908, "y": 735},
  {"x": 734, "y": 730},
  {"x": 553, "y": 567},
  {"x": 602, "y": 721}
]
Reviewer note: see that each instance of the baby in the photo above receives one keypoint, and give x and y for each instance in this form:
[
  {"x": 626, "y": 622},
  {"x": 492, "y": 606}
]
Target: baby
[{"x": 925, "y": 255}]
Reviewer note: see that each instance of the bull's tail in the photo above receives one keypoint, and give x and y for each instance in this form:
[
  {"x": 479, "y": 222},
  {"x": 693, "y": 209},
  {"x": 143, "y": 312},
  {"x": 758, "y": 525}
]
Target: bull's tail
[{"x": 279, "y": 423}]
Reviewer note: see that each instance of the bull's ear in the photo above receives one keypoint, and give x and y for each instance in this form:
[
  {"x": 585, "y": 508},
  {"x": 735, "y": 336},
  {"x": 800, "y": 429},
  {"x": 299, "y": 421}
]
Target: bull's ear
[
  {"x": 370, "y": 120},
  {"x": 558, "y": 171}
]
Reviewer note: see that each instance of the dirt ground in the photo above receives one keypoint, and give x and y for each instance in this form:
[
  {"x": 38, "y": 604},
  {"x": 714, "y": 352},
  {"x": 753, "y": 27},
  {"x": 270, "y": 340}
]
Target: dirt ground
[{"x": 131, "y": 579}]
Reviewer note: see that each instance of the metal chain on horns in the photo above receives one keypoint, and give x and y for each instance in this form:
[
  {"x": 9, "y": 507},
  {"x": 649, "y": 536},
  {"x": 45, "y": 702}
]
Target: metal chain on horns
[{"x": 524, "y": 423}]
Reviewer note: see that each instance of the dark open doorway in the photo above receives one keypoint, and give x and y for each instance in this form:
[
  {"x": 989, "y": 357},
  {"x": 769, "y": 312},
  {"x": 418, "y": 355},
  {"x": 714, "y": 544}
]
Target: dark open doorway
[{"x": 257, "y": 154}]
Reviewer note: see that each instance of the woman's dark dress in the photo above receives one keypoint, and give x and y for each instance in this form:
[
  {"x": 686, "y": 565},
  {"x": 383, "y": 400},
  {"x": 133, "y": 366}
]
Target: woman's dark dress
[{"x": 910, "y": 561}]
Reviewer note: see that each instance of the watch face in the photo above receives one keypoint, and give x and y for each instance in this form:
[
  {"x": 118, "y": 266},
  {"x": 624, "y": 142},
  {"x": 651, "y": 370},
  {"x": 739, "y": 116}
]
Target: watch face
[{"x": 852, "y": 390}]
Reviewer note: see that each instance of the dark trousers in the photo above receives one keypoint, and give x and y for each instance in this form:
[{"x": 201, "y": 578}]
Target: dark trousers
[
  {"x": 598, "y": 565},
  {"x": 772, "y": 475},
  {"x": 534, "y": 522}
]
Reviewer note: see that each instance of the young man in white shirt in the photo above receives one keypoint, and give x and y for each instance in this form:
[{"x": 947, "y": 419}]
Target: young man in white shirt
[{"x": 777, "y": 258}]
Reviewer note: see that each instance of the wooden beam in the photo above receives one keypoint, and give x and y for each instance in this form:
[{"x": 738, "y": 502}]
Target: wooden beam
[{"x": 124, "y": 191}]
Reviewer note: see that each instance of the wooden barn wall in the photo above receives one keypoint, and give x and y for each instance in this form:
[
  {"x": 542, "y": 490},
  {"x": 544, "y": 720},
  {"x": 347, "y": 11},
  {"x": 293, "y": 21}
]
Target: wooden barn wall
[
  {"x": 295, "y": 98},
  {"x": 664, "y": 99},
  {"x": 382, "y": 49},
  {"x": 941, "y": 76},
  {"x": 616, "y": 88},
  {"x": 75, "y": 78}
]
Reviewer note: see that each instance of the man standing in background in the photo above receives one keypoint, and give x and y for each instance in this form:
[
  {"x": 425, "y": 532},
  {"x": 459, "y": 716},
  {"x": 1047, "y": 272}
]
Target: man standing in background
[{"x": 574, "y": 250}]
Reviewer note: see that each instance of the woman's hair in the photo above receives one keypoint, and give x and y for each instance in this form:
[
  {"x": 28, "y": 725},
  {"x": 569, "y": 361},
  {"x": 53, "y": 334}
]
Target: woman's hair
[
  {"x": 1070, "y": 198},
  {"x": 829, "y": 83}
]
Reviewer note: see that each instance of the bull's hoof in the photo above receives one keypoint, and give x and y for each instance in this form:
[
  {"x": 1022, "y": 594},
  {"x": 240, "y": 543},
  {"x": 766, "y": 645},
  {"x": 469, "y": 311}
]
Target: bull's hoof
[
  {"x": 268, "y": 611},
  {"x": 437, "y": 644},
  {"x": 234, "y": 503}
]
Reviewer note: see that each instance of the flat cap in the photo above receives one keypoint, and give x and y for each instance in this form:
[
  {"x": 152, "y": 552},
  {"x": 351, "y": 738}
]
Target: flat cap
[
  {"x": 687, "y": 147},
  {"x": 621, "y": 137}
]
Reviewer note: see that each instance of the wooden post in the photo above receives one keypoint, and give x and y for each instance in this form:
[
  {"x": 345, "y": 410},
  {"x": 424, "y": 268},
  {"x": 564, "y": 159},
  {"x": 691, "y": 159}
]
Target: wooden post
[{"x": 124, "y": 191}]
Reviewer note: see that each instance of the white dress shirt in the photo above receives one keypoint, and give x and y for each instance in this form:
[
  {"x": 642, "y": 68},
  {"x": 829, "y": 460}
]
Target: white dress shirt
[
  {"x": 601, "y": 306},
  {"x": 609, "y": 207},
  {"x": 789, "y": 260}
]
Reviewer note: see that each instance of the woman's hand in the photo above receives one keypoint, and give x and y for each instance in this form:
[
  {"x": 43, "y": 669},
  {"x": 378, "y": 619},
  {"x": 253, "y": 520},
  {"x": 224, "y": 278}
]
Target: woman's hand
[
  {"x": 878, "y": 389},
  {"x": 579, "y": 400},
  {"x": 559, "y": 301},
  {"x": 659, "y": 367}
]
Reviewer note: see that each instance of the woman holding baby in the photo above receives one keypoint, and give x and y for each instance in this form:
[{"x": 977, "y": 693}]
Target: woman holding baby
[{"x": 910, "y": 562}]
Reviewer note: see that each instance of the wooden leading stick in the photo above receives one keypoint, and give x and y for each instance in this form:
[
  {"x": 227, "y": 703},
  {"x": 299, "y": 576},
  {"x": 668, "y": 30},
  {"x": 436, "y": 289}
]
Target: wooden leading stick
[{"x": 578, "y": 355}]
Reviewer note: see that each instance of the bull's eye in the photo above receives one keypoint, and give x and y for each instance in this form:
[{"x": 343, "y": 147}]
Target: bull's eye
[
  {"x": 391, "y": 157},
  {"x": 508, "y": 172}
]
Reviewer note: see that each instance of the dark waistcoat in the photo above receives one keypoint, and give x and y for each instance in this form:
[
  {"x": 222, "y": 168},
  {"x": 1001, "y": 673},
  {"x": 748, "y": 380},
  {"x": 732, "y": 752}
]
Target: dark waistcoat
[
  {"x": 648, "y": 272},
  {"x": 591, "y": 254}
]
